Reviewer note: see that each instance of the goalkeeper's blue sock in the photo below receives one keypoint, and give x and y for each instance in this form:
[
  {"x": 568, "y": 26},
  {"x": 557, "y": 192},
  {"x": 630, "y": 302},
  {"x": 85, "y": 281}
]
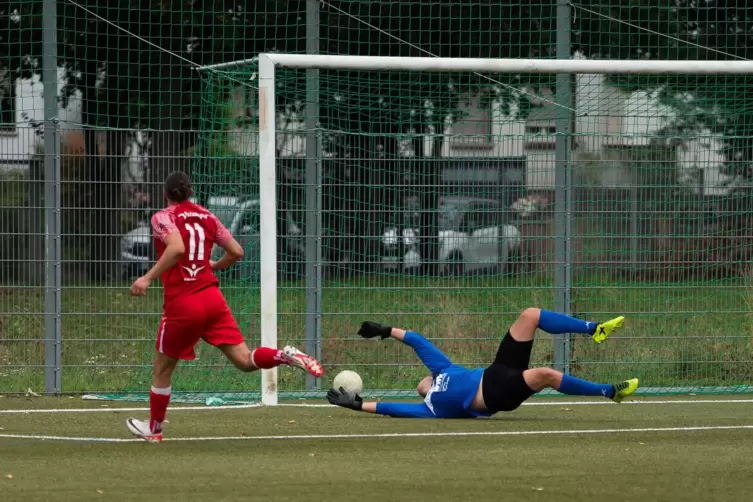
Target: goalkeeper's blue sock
[
  {"x": 555, "y": 323},
  {"x": 576, "y": 387}
]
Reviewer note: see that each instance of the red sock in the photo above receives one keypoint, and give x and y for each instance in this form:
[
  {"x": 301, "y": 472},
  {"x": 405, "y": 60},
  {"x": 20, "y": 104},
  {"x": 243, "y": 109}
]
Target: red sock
[
  {"x": 158, "y": 401},
  {"x": 265, "y": 358}
]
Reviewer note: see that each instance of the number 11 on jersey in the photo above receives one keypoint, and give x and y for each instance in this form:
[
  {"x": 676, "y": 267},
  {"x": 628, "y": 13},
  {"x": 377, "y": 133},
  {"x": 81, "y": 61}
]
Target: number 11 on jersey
[{"x": 196, "y": 240}]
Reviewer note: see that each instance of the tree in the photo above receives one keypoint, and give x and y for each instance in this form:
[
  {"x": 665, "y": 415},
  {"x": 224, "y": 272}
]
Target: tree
[
  {"x": 127, "y": 84},
  {"x": 686, "y": 30}
]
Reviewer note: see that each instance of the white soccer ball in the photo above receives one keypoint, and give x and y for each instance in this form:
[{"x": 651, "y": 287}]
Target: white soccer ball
[{"x": 348, "y": 380}]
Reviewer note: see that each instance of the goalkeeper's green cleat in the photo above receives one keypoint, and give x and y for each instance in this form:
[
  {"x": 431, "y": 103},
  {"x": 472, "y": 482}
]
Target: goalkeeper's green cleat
[
  {"x": 605, "y": 329},
  {"x": 624, "y": 389}
]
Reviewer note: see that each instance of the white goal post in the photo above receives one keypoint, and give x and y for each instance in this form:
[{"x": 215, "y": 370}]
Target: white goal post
[{"x": 269, "y": 62}]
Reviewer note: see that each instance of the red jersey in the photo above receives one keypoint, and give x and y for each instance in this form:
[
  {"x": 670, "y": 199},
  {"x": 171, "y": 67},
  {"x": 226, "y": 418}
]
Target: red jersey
[{"x": 200, "y": 230}]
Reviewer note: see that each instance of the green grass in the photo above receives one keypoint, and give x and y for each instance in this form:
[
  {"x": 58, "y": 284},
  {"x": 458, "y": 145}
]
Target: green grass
[
  {"x": 628, "y": 466},
  {"x": 676, "y": 334}
]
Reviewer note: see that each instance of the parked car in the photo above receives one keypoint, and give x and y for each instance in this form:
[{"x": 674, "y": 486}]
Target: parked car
[
  {"x": 241, "y": 217},
  {"x": 400, "y": 240},
  {"x": 136, "y": 251},
  {"x": 473, "y": 236}
]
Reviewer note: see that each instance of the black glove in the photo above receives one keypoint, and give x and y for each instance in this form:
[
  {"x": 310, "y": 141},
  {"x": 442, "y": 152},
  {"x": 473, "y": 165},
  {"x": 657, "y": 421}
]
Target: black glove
[
  {"x": 345, "y": 399},
  {"x": 372, "y": 329}
]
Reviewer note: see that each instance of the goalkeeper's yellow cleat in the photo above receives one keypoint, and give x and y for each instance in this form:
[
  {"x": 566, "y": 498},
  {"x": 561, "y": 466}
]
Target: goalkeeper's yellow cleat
[
  {"x": 624, "y": 389},
  {"x": 605, "y": 329}
]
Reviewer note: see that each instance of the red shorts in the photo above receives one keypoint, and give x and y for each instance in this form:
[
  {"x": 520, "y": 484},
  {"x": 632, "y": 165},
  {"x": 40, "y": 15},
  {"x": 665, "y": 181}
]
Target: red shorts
[{"x": 201, "y": 315}]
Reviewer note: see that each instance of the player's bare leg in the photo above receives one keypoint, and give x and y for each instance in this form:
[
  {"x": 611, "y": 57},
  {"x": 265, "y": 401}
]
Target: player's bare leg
[
  {"x": 159, "y": 399},
  {"x": 524, "y": 327},
  {"x": 240, "y": 356},
  {"x": 247, "y": 360}
]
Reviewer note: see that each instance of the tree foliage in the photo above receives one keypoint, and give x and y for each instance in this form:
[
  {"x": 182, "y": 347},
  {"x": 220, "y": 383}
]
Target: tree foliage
[
  {"x": 713, "y": 30},
  {"x": 131, "y": 83},
  {"x": 132, "y": 61}
]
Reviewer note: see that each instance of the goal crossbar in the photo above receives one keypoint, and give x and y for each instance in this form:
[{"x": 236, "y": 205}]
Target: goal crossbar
[
  {"x": 424, "y": 64},
  {"x": 269, "y": 62}
]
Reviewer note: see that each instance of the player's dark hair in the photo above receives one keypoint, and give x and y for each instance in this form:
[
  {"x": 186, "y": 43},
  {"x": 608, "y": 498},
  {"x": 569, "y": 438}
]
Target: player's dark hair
[{"x": 178, "y": 187}]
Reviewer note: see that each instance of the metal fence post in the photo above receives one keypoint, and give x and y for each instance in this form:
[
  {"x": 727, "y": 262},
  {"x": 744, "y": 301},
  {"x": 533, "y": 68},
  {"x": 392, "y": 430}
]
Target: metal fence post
[
  {"x": 52, "y": 300},
  {"x": 563, "y": 187},
  {"x": 313, "y": 195}
]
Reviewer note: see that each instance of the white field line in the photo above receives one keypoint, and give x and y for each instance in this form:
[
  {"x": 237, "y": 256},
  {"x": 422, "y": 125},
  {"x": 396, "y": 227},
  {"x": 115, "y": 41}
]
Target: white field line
[
  {"x": 304, "y": 405},
  {"x": 391, "y": 435}
]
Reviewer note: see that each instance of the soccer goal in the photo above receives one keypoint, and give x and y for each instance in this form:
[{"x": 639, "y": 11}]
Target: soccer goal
[{"x": 446, "y": 195}]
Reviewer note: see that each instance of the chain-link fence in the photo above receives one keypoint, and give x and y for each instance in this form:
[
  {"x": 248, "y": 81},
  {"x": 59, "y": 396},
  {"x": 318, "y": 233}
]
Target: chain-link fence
[{"x": 436, "y": 199}]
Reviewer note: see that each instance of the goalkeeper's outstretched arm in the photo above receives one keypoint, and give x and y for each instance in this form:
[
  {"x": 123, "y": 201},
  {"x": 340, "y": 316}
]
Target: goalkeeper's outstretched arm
[
  {"x": 431, "y": 356},
  {"x": 341, "y": 397}
]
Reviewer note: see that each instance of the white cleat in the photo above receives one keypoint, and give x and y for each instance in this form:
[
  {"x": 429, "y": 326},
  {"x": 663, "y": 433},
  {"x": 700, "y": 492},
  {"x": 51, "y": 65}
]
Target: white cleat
[
  {"x": 295, "y": 357},
  {"x": 141, "y": 429}
]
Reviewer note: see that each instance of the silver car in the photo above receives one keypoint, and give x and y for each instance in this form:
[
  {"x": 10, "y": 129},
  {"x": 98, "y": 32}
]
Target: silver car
[
  {"x": 241, "y": 217},
  {"x": 136, "y": 251},
  {"x": 473, "y": 236}
]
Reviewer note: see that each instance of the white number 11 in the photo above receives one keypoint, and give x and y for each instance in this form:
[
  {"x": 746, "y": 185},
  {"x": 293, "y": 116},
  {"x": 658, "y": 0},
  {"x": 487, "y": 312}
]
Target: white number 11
[{"x": 195, "y": 231}]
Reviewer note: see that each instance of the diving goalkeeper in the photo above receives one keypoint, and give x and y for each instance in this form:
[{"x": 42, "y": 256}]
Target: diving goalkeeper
[{"x": 453, "y": 391}]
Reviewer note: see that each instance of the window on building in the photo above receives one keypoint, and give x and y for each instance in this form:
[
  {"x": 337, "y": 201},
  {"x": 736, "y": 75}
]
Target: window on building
[
  {"x": 541, "y": 128},
  {"x": 473, "y": 127}
]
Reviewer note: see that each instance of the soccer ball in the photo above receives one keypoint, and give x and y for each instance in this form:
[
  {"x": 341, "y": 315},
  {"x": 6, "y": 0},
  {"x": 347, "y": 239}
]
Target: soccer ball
[{"x": 348, "y": 380}]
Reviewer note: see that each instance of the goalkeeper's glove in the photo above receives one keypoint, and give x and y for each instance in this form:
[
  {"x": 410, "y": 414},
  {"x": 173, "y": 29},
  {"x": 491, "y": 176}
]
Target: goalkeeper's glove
[
  {"x": 372, "y": 329},
  {"x": 345, "y": 399}
]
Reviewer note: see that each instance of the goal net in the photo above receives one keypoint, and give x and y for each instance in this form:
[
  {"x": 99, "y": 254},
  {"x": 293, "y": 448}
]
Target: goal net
[{"x": 445, "y": 196}]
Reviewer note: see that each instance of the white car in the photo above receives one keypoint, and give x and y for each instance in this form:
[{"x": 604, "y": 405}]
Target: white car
[
  {"x": 136, "y": 251},
  {"x": 400, "y": 252},
  {"x": 473, "y": 236}
]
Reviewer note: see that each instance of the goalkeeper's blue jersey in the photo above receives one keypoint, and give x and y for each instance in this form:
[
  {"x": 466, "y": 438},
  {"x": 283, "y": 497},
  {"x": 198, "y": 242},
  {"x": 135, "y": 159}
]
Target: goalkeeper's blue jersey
[{"x": 452, "y": 390}]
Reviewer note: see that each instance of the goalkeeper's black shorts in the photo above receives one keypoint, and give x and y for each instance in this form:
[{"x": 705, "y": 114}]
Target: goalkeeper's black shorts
[{"x": 503, "y": 386}]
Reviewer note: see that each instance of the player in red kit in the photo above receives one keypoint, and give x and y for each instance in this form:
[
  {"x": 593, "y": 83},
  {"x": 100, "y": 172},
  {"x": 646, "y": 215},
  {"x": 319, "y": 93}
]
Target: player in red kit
[{"x": 194, "y": 308}]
